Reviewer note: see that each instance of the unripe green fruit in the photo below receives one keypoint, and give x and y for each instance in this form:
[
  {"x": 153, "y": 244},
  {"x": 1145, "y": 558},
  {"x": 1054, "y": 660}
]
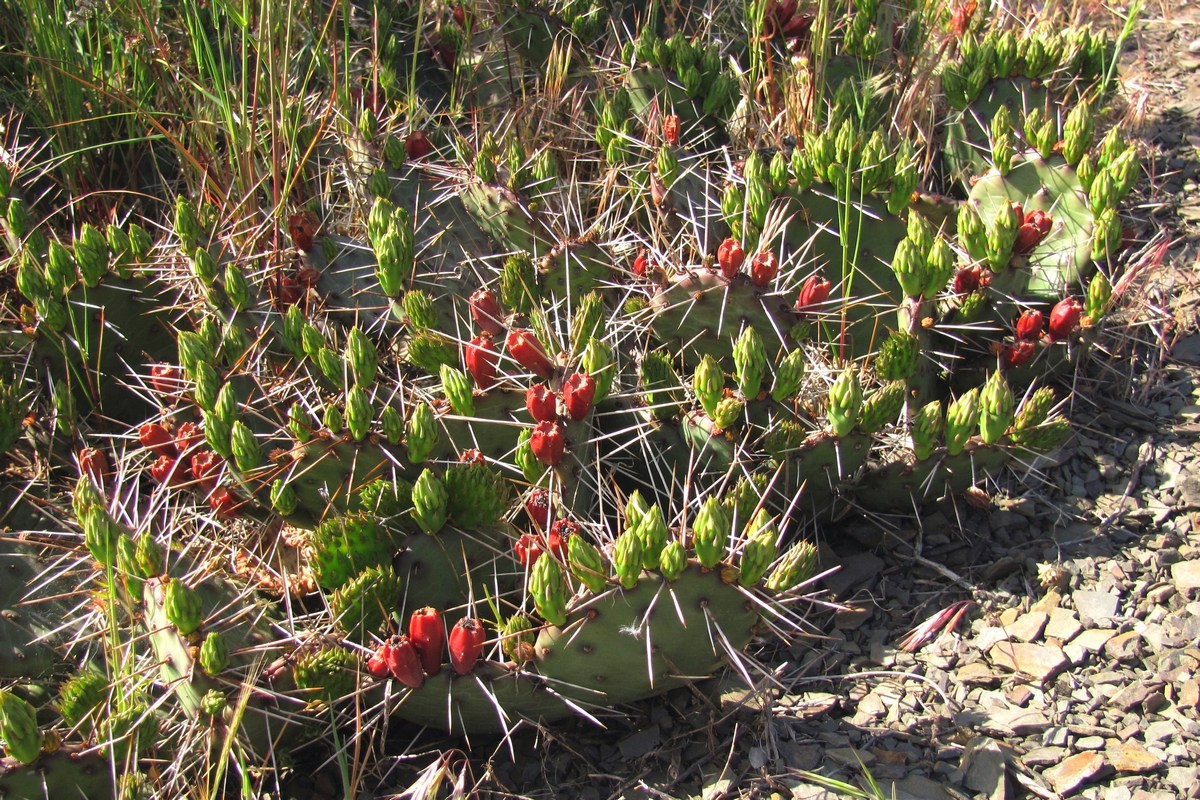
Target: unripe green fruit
[
  {"x": 882, "y": 407},
  {"x": 181, "y": 604},
  {"x": 653, "y": 532},
  {"x": 728, "y": 412},
  {"x": 246, "y": 452},
  {"x": 422, "y": 433},
  {"x": 796, "y": 567},
  {"x": 548, "y": 587},
  {"x": 845, "y": 401},
  {"x": 359, "y": 413},
  {"x": 458, "y": 391},
  {"x": 750, "y": 362},
  {"x": 672, "y": 561},
  {"x": 586, "y": 563},
  {"x": 927, "y": 428},
  {"x": 995, "y": 408},
  {"x": 236, "y": 288},
  {"x": 627, "y": 559},
  {"x": 759, "y": 550},
  {"x": 789, "y": 376},
  {"x": 214, "y": 653},
  {"x": 709, "y": 384},
  {"x": 962, "y": 415},
  {"x": 430, "y": 502},
  {"x": 91, "y": 253},
  {"x": 19, "y": 729},
  {"x": 710, "y": 532},
  {"x": 283, "y": 497}
]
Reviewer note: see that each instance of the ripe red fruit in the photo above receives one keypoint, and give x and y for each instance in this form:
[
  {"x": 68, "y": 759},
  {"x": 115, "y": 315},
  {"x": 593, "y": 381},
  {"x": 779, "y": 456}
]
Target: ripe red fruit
[
  {"x": 466, "y": 644},
  {"x": 460, "y": 16},
  {"x": 157, "y": 438},
  {"x": 541, "y": 403},
  {"x": 527, "y": 549},
  {"x": 671, "y": 128},
  {"x": 540, "y": 509},
  {"x": 486, "y": 312},
  {"x": 814, "y": 292},
  {"x": 224, "y": 503},
  {"x": 1018, "y": 353},
  {"x": 527, "y": 351},
  {"x": 966, "y": 280},
  {"x": 763, "y": 268},
  {"x": 1064, "y": 317},
  {"x": 482, "y": 360},
  {"x": 548, "y": 443},
  {"x": 579, "y": 390},
  {"x": 165, "y": 470},
  {"x": 730, "y": 257},
  {"x": 556, "y": 539},
  {"x": 1035, "y": 228},
  {"x": 94, "y": 464},
  {"x": 165, "y": 378},
  {"x": 206, "y": 469},
  {"x": 1029, "y": 325},
  {"x": 427, "y": 635},
  {"x": 376, "y": 665},
  {"x": 403, "y": 662},
  {"x": 641, "y": 264},
  {"x": 473, "y": 456},
  {"x": 187, "y": 435},
  {"x": 417, "y": 145}
]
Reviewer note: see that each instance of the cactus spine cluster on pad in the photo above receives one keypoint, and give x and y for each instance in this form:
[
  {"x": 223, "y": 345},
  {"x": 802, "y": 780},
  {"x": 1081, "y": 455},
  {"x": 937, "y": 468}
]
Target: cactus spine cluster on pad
[{"x": 529, "y": 410}]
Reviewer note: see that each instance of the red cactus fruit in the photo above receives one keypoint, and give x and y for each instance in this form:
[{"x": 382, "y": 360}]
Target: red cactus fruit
[
  {"x": 417, "y": 145},
  {"x": 403, "y": 662},
  {"x": 1018, "y": 353},
  {"x": 187, "y": 435},
  {"x": 157, "y": 438},
  {"x": 527, "y": 351},
  {"x": 1035, "y": 228},
  {"x": 165, "y": 470},
  {"x": 763, "y": 268},
  {"x": 459, "y": 15},
  {"x": 814, "y": 292},
  {"x": 486, "y": 312},
  {"x": 466, "y": 644},
  {"x": 527, "y": 548},
  {"x": 579, "y": 390},
  {"x": 377, "y": 664},
  {"x": 548, "y": 442},
  {"x": 556, "y": 539},
  {"x": 224, "y": 503},
  {"x": 473, "y": 456},
  {"x": 482, "y": 360},
  {"x": 730, "y": 257},
  {"x": 1064, "y": 317},
  {"x": 671, "y": 128},
  {"x": 641, "y": 264},
  {"x": 427, "y": 635},
  {"x": 94, "y": 464},
  {"x": 206, "y": 468},
  {"x": 165, "y": 378},
  {"x": 1029, "y": 325},
  {"x": 540, "y": 509},
  {"x": 966, "y": 280},
  {"x": 541, "y": 403},
  {"x": 302, "y": 229}
]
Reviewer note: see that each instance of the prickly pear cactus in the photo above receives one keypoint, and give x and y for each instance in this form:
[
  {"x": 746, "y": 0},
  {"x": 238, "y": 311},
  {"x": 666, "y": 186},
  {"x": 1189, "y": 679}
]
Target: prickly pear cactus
[{"x": 522, "y": 416}]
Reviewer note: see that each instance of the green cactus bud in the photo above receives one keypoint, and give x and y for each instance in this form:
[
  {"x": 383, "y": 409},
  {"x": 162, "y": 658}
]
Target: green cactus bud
[
  {"x": 627, "y": 559},
  {"x": 218, "y": 436},
  {"x": 652, "y": 530},
  {"x": 661, "y": 384},
  {"x": 759, "y": 550},
  {"x": 972, "y": 307},
  {"x": 300, "y": 423},
  {"x": 246, "y": 452},
  {"x": 845, "y": 400},
  {"x": 666, "y": 165},
  {"x": 750, "y": 362},
  {"x": 181, "y": 604},
  {"x": 1001, "y": 235},
  {"x": 84, "y": 496},
  {"x": 1038, "y": 129},
  {"x": 597, "y": 361},
  {"x": 919, "y": 232},
  {"x": 797, "y": 566},
  {"x": 1124, "y": 171},
  {"x": 1003, "y": 146},
  {"x": 672, "y": 561},
  {"x": 478, "y": 496},
  {"x": 727, "y": 413},
  {"x": 60, "y": 269},
  {"x": 758, "y": 201},
  {"x": 898, "y": 357},
  {"x": 636, "y": 508},
  {"x": 733, "y": 204},
  {"x": 379, "y": 184},
  {"x": 292, "y": 330},
  {"x": 802, "y": 168},
  {"x": 393, "y": 261},
  {"x": 882, "y": 407},
  {"x": 586, "y": 564},
  {"x": 845, "y": 143},
  {"x": 1050, "y": 435},
  {"x": 1078, "y": 131},
  {"x": 226, "y": 407},
  {"x": 710, "y": 532},
  {"x": 327, "y": 673},
  {"x": 905, "y": 179},
  {"x": 419, "y": 310},
  {"x": 709, "y": 383},
  {"x": 1102, "y": 194},
  {"x": 548, "y": 587},
  {"x": 149, "y": 557},
  {"x": 940, "y": 264},
  {"x": 193, "y": 352},
  {"x": 1111, "y": 147},
  {"x": 588, "y": 321},
  {"x": 1099, "y": 295},
  {"x": 19, "y": 729},
  {"x": 187, "y": 224},
  {"x": 1106, "y": 235},
  {"x": 485, "y": 159},
  {"x": 1005, "y": 54},
  {"x": 333, "y": 419},
  {"x": 1035, "y": 409},
  {"x": 31, "y": 280},
  {"x": 361, "y": 356},
  {"x": 1086, "y": 171},
  {"x": 392, "y": 425},
  {"x": 457, "y": 387},
  {"x": 283, "y": 497},
  {"x": 81, "y": 697},
  {"x": 363, "y": 605},
  {"x": 312, "y": 340},
  {"x": 214, "y": 653},
  {"x": 962, "y": 415},
  {"x": 17, "y": 217},
  {"x": 140, "y": 243},
  {"x": 789, "y": 375},
  {"x": 127, "y": 567},
  {"x": 909, "y": 265},
  {"x": 719, "y": 95},
  {"x": 91, "y": 253},
  {"x": 995, "y": 408},
  {"x": 531, "y": 468},
  {"x": 386, "y": 497},
  {"x": 517, "y": 637},
  {"x": 972, "y": 232},
  {"x": 332, "y": 367},
  {"x": 518, "y": 284},
  {"x": 359, "y": 413},
  {"x": 344, "y": 546},
  {"x": 236, "y": 288},
  {"x": 430, "y": 502},
  {"x": 101, "y": 535},
  {"x": 778, "y": 171}
]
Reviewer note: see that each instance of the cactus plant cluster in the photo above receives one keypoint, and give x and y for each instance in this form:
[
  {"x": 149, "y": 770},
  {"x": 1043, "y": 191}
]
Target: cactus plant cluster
[{"x": 546, "y": 415}]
